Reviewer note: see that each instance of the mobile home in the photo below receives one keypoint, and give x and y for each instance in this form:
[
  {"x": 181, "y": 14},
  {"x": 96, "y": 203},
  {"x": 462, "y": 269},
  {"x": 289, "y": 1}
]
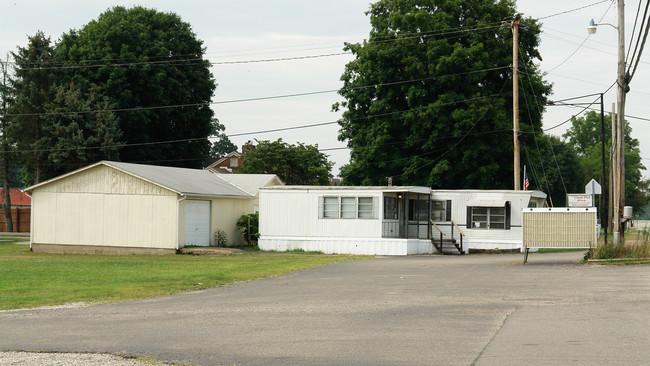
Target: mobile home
[{"x": 391, "y": 220}]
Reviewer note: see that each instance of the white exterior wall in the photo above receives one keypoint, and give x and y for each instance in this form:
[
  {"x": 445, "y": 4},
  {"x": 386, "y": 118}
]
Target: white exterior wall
[
  {"x": 104, "y": 207},
  {"x": 295, "y": 213},
  {"x": 485, "y": 239},
  {"x": 289, "y": 219},
  {"x": 224, "y": 213}
]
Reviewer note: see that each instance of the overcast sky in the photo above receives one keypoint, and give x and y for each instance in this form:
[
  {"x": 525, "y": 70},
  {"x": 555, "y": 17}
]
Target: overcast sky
[{"x": 246, "y": 30}]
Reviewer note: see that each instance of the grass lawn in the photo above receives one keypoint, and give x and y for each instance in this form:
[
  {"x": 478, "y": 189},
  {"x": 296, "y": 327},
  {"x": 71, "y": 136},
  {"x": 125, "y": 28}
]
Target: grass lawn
[{"x": 37, "y": 279}]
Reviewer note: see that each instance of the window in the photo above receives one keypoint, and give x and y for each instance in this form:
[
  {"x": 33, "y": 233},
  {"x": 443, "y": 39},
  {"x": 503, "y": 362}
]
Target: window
[
  {"x": 418, "y": 210},
  {"x": 331, "y": 207},
  {"x": 347, "y": 208},
  {"x": 390, "y": 208},
  {"x": 234, "y": 162},
  {"x": 441, "y": 210},
  {"x": 495, "y": 218},
  {"x": 365, "y": 208}
]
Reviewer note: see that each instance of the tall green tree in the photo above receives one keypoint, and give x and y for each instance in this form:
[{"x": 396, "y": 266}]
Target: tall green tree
[
  {"x": 427, "y": 97},
  {"x": 81, "y": 129},
  {"x": 222, "y": 145},
  {"x": 295, "y": 164},
  {"x": 584, "y": 136},
  {"x": 31, "y": 92},
  {"x": 553, "y": 167},
  {"x": 151, "y": 64}
]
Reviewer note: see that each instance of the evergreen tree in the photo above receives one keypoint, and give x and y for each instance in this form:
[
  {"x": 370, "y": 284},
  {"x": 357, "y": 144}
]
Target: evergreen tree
[{"x": 31, "y": 92}]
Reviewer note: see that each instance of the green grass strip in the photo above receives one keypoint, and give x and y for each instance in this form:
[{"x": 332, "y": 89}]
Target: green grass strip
[{"x": 38, "y": 279}]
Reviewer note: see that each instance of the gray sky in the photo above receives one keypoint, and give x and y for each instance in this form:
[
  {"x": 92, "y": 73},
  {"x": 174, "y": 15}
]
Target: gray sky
[{"x": 255, "y": 30}]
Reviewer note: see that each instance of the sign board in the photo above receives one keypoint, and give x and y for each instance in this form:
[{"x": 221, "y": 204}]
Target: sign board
[
  {"x": 593, "y": 187},
  {"x": 579, "y": 200},
  {"x": 559, "y": 227}
]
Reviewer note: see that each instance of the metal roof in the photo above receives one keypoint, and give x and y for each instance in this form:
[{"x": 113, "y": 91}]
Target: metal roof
[
  {"x": 189, "y": 182},
  {"x": 251, "y": 183}
]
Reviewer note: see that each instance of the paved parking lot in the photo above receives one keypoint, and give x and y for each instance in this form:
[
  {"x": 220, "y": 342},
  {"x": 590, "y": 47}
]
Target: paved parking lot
[{"x": 415, "y": 310}]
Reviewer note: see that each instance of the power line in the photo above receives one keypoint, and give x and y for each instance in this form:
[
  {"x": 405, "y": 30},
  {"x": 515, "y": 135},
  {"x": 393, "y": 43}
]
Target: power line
[
  {"x": 95, "y": 64},
  {"x": 252, "y": 99},
  {"x": 572, "y": 10},
  {"x": 583, "y": 42},
  {"x": 645, "y": 36},
  {"x": 121, "y": 145}
]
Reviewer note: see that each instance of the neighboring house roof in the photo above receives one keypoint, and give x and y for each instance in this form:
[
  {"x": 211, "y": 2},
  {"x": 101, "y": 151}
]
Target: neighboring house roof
[
  {"x": 17, "y": 197},
  {"x": 222, "y": 165},
  {"x": 188, "y": 182},
  {"x": 251, "y": 183}
]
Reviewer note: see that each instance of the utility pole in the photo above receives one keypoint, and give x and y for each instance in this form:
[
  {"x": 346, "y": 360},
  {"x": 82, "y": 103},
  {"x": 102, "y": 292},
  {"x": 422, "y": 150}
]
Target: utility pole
[
  {"x": 620, "y": 122},
  {"x": 613, "y": 173},
  {"x": 603, "y": 196},
  {"x": 515, "y": 100}
]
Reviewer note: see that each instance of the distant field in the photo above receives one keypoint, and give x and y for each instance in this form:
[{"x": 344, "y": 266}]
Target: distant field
[{"x": 37, "y": 279}]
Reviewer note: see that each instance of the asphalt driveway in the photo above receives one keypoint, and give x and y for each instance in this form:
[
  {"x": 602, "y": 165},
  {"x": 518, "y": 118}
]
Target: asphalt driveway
[{"x": 415, "y": 310}]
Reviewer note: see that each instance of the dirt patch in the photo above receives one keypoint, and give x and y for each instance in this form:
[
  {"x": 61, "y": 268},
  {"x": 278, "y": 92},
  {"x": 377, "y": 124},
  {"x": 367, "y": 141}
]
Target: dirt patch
[{"x": 210, "y": 251}]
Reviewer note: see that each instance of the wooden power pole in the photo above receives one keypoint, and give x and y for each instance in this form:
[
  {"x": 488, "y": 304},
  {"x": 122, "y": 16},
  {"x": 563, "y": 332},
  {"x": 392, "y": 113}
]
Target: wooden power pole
[{"x": 515, "y": 100}]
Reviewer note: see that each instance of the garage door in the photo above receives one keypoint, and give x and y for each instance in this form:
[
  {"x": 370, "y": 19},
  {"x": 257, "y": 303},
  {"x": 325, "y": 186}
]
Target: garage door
[{"x": 197, "y": 222}]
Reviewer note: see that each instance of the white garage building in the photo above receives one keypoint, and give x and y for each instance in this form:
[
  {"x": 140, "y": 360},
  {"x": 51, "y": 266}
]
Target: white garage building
[{"x": 118, "y": 208}]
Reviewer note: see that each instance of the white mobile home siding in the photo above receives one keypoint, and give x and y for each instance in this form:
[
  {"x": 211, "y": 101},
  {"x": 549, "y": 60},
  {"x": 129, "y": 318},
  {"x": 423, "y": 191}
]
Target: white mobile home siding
[
  {"x": 291, "y": 219},
  {"x": 295, "y": 213},
  {"x": 486, "y": 239},
  {"x": 104, "y": 207}
]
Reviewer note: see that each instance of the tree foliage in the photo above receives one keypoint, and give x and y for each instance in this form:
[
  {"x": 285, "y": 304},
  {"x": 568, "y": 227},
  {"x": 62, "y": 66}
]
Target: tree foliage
[
  {"x": 553, "y": 167},
  {"x": 294, "y": 164},
  {"x": 31, "y": 92},
  {"x": 78, "y": 139},
  {"x": 114, "y": 89},
  {"x": 149, "y": 59},
  {"x": 584, "y": 136},
  {"x": 222, "y": 145},
  {"x": 427, "y": 98}
]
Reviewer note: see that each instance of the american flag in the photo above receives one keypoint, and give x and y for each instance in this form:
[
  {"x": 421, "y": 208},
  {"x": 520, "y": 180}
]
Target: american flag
[{"x": 526, "y": 181}]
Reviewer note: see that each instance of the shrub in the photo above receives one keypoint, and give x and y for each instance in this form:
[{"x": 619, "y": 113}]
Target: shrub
[
  {"x": 220, "y": 239},
  {"x": 635, "y": 246},
  {"x": 249, "y": 224}
]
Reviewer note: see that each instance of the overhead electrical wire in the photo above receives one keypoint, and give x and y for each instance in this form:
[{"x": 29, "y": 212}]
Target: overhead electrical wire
[
  {"x": 256, "y": 98},
  {"x": 572, "y": 10},
  {"x": 583, "y": 42},
  {"x": 636, "y": 56}
]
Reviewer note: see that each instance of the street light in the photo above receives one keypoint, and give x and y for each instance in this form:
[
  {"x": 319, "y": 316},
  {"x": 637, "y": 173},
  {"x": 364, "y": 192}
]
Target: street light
[
  {"x": 591, "y": 29},
  {"x": 618, "y": 183}
]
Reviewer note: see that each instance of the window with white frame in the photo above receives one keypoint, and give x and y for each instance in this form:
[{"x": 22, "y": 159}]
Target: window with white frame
[
  {"x": 347, "y": 208},
  {"x": 365, "y": 208},
  {"x": 488, "y": 218},
  {"x": 330, "y": 207}
]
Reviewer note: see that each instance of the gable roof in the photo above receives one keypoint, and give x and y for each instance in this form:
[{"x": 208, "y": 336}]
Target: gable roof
[
  {"x": 17, "y": 197},
  {"x": 189, "y": 182},
  {"x": 214, "y": 164},
  {"x": 184, "y": 181},
  {"x": 251, "y": 183}
]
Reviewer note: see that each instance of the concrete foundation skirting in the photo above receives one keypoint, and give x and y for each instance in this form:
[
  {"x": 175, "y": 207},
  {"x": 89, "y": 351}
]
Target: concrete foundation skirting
[{"x": 92, "y": 249}]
